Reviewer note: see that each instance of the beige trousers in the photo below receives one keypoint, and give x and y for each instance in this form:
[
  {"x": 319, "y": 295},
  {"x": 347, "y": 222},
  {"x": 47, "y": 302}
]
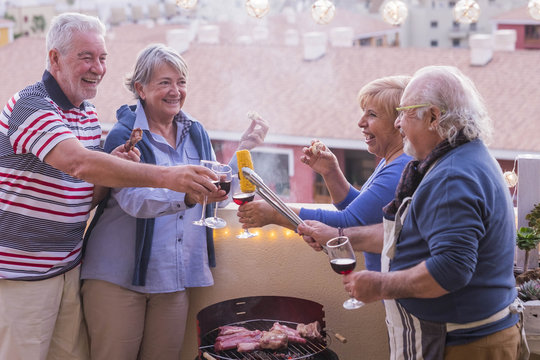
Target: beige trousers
[
  {"x": 502, "y": 345},
  {"x": 128, "y": 325},
  {"x": 42, "y": 319}
]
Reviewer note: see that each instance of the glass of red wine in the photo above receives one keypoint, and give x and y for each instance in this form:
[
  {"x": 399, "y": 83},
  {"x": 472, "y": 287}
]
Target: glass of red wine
[
  {"x": 224, "y": 173},
  {"x": 240, "y": 198},
  {"x": 201, "y": 221},
  {"x": 343, "y": 261}
]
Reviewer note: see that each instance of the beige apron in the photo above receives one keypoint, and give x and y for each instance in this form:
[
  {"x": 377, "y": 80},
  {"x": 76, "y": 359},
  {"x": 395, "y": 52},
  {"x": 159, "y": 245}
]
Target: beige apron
[{"x": 411, "y": 338}]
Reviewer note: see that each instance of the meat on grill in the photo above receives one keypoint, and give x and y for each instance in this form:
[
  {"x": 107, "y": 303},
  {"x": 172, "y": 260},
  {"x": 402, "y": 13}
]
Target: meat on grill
[
  {"x": 274, "y": 340},
  {"x": 231, "y": 341},
  {"x": 292, "y": 334},
  {"x": 310, "y": 331},
  {"x": 227, "y": 330},
  {"x": 278, "y": 337},
  {"x": 248, "y": 346}
]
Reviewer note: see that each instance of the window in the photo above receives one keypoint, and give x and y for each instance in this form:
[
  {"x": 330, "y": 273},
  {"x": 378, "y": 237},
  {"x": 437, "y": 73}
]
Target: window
[
  {"x": 434, "y": 43},
  {"x": 379, "y": 42},
  {"x": 451, "y": 4},
  {"x": 456, "y": 43},
  {"x": 473, "y": 26},
  {"x": 434, "y": 24},
  {"x": 275, "y": 167},
  {"x": 359, "y": 166},
  {"x": 365, "y": 42},
  {"x": 532, "y": 36},
  {"x": 455, "y": 25}
]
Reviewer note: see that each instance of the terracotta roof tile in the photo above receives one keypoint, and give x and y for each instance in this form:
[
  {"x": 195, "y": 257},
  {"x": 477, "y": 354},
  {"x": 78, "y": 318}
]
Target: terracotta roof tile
[
  {"x": 300, "y": 98},
  {"x": 519, "y": 15}
]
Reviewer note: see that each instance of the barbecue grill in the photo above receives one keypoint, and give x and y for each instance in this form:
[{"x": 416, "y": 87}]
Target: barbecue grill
[{"x": 260, "y": 313}]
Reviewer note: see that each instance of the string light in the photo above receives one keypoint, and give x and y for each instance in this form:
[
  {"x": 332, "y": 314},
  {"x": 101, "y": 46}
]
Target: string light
[
  {"x": 229, "y": 231},
  {"x": 323, "y": 11},
  {"x": 257, "y": 8},
  {"x": 186, "y": 4},
  {"x": 395, "y": 12},
  {"x": 534, "y": 9},
  {"x": 511, "y": 177},
  {"x": 466, "y": 11}
]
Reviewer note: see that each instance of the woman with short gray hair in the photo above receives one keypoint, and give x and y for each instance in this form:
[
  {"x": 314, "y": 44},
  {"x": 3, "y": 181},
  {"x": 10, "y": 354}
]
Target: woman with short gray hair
[{"x": 143, "y": 251}]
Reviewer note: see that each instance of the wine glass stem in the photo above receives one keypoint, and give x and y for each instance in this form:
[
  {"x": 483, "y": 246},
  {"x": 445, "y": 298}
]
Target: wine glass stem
[
  {"x": 215, "y": 211},
  {"x": 203, "y": 208}
]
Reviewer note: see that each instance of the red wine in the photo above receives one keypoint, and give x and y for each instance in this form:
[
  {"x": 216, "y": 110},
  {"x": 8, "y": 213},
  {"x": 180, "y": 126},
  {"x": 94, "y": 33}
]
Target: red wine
[
  {"x": 225, "y": 185},
  {"x": 343, "y": 266},
  {"x": 243, "y": 198}
]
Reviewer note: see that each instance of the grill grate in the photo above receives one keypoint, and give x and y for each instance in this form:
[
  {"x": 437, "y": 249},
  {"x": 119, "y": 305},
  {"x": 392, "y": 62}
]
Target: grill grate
[{"x": 293, "y": 352}]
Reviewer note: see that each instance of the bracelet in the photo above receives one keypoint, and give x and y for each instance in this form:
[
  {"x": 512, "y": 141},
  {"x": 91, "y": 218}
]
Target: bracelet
[{"x": 340, "y": 231}]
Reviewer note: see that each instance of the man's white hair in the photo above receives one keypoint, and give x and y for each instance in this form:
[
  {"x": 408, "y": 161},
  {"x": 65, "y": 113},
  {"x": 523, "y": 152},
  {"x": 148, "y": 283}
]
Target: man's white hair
[
  {"x": 63, "y": 26},
  {"x": 462, "y": 106}
]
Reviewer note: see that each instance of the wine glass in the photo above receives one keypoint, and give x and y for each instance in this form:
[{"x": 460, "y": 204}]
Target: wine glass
[
  {"x": 343, "y": 261},
  {"x": 224, "y": 173},
  {"x": 240, "y": 198},
  {"x": 201, "y": 222}
]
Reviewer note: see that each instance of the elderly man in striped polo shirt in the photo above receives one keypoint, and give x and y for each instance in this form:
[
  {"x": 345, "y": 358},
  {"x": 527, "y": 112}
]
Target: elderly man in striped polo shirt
[{"x": 48, "y": 168}]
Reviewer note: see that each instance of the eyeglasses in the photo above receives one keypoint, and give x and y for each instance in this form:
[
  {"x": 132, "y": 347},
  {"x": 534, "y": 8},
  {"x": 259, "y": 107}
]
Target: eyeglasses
[{"x": 401, "y": 109}]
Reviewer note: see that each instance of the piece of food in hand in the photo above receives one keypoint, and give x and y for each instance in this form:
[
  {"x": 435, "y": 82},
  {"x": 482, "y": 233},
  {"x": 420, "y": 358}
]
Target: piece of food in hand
[
  {"x": 253, "y": 115},
  {"x": 243, "y": 158},
  {"x": 135, "y": 137},
  {"x": 316, "y": 147}
]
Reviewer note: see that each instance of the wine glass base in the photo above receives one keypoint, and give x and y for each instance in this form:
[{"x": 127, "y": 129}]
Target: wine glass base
[
  {"x": 199, "y": 223},
  {"x": 245, "y": 235},
  {"x": 352, "y": 304},
  {"x": 215, "y": 223}
]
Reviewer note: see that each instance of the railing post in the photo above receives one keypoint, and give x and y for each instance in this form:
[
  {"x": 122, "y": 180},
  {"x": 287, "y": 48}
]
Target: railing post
[{"x": 528, "y": 195}]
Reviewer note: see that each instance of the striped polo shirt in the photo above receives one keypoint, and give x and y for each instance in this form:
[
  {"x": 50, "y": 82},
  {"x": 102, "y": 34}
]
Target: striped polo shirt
[{"x": 43, "y": 211}]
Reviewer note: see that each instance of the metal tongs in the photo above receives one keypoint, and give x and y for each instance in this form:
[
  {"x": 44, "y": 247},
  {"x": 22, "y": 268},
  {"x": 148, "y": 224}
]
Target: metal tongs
[{"x": 270, "y": 197}]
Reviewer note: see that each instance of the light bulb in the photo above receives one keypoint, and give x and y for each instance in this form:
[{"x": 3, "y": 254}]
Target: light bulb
[
  {"x": 257, "y": 8},
  {"x": 186, "y": 4},
  {"x": 395, "y": 12},
  {"x": 511, "y": 178},
  {"x": 534, "y": 9},
  {"x": 466, "y": 11},
  {"x": 323, "y": 11}
]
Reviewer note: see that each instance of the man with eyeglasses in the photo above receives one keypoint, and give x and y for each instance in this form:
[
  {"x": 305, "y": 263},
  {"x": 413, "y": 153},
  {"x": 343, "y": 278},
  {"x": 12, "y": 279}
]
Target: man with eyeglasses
[{"x": 448, "y": 237}]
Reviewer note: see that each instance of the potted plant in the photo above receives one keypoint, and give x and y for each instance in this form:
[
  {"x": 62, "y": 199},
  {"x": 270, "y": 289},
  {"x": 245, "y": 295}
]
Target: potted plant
[
  {"x": 529, "y": 292},
  {"x": 528, "y": 237}
]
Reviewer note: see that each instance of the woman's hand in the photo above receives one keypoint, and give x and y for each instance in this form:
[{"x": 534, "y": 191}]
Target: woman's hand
[
  {"x": 255, "y": 214},
  {"x": 133, "y": 155},
  {"x": 255, "y": 133},
  {"x": 320, "y": 158},
  {"x": 216, "y": 196}
]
